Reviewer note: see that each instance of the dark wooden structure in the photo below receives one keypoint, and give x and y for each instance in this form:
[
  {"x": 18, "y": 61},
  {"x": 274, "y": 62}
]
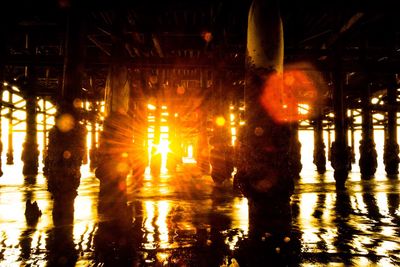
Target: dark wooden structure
[{"x": 133, "y": 51}]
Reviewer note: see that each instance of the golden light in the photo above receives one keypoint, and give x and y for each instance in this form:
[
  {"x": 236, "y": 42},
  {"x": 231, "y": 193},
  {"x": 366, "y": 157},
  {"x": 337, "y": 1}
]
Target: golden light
[
  {"x": 163, "y": 148},
  {"x": 66, "y": 154},
  {"x": 180, "y": 90},
  {"x": 289, "y": 80},
  {"x": 190, "y": 151},
  {"x": 122, "y": 167},
  {"x": 303, "y": 109},
  {"x": 374, "y": 100},
  {"x": 162, "y": 256},
  {"x": 149, "y": 212},
  {"x": 163, "y": 209},
  {"x": 77, "y": 103},
  {"x": 282, "y": 94},
  {"x": 151, "y": 107},
  {"x": 233, "y": 141},
  {"x": 207, "y": 36},
  {"x": 65, "y": 122},
  {"x": 220, "y": 121}
]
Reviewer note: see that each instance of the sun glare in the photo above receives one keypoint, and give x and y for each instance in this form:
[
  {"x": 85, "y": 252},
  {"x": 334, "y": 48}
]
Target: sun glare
[
  {"x": 165, "y": 135},
  {"x": 163, "y": 148},
  {"x": 220, "y": 121}
]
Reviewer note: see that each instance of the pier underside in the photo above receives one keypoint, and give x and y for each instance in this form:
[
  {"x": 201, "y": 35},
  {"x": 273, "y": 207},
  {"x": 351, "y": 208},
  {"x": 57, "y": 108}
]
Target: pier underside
[{"x": 208, "y": 133}]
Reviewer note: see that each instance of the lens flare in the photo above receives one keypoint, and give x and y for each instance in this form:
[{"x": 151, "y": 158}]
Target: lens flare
[
  {"x": 180, "y": 90},
  {"x": 65, "y": 122},
  {"x": 66, "y": 154},
  {"x": 283, "y": 94},
  {"x": 78, "y": 103},
  {"x": 151, "y": 107},
  {"x": 220, "y": 121},
  {"x": 207, "y": 36},
  {"x": 163, "y": 148}
]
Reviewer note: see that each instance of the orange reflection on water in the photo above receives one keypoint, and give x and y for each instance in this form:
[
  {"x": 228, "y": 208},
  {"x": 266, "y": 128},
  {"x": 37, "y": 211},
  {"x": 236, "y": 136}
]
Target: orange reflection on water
[
  {"x": 149, "y": 226},
  {"x": 240, "y": 214},
  {"x": 240, "y": 221},
  {"x": 163, "y": 209}
]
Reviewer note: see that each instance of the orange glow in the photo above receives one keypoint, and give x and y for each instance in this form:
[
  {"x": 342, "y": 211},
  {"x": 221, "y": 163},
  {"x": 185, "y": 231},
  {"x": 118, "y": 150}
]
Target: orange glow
[
  {"x": 283, "y": 93},
  {"x": 122, "y": 186},
  {"x": 207, "y": 36},
  {"x": 65, "y": 122},
  {"x": 151, "y": 107},
  {"x": 122, "y": 167},
  {"x": 220, "y": 121},
  {"x": 289, "y": 80},
  {"x": 77, "y": 103},
  {"x": 163, "y": 148},
  {"x": 66, "y": 154},
  {"x": 180, "y": 90}
]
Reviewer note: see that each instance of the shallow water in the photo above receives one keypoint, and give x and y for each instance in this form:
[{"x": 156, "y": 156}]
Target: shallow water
[{"x": 183, "y": 220}]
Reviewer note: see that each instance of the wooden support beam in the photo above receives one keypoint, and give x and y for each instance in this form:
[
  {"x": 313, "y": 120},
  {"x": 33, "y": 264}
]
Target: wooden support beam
[
  {"x": 368, "y": 155},
  {"x": 341, "y": 155},
  {"x": 391, "y": 149}
]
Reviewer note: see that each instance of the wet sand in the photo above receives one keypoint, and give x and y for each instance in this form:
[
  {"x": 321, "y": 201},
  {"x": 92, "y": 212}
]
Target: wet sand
[{"x": 182, "y": 219}]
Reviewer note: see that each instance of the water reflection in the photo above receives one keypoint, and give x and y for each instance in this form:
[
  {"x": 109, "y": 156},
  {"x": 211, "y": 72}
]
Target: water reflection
[
  {"x": 393, "y": 202},
  {"x": 357, "y": 230},
  {"x": 60, "y": 243},
  {"x": 183, "y": 220},
  {"x": 32, "y": 214},
  {"x": 343, "y": 240},
  {"x": 219, "y": 221},
  {"x": 271, "y": 240},
  {"x": 113, "y": 241}
]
